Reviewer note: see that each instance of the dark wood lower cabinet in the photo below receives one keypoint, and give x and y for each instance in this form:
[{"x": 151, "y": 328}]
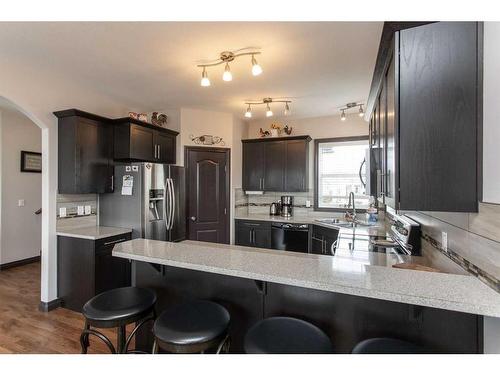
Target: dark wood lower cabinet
[
  {"x": 346, "y": 319},
  {"x": 253, "y": 233},
  {"x": 86, "y": 268}
]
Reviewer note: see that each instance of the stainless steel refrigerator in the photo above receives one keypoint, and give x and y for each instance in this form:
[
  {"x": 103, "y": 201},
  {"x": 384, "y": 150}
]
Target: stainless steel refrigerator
[{"x": 148, "y": 198}]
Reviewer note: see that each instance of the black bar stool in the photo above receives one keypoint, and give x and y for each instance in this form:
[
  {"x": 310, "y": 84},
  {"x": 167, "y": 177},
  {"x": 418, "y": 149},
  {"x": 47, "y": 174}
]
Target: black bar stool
[
  {"x": 284, "y": 335},
  {"x": 117, "y": 308},
  {"x": 385, "y": 345},
  {"x": 192, "y": 327}
]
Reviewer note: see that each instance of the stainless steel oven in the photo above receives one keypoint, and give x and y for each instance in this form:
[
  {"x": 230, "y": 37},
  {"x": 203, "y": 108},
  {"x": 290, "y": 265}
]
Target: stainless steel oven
[{"x": 290, "y": 237}]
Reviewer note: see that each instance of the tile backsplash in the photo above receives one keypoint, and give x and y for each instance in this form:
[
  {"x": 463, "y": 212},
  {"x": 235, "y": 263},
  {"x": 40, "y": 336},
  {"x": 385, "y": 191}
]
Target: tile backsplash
[
  {"x": 259, "y": 204},
  {"x": 71, "y": 203},
  {"x": 473, "y": 239}
]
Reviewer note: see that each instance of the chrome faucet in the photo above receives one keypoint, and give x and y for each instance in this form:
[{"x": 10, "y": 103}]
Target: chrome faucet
[{"x": 353, "y": 212}]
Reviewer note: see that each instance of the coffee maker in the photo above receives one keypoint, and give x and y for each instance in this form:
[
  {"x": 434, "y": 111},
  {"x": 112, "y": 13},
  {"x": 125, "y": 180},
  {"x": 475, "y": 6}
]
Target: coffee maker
[{"x": 286, "y": 205}]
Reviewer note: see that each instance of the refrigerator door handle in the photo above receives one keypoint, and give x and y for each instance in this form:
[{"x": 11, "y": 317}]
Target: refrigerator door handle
[
  {"x": 166, "y": 202},
  {"x": 173, "y": 203}
]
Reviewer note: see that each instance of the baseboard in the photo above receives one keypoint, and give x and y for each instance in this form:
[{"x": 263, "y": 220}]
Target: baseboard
[
  {"x": 18, "y": 263},
  {"x": 51, "y": 305}
]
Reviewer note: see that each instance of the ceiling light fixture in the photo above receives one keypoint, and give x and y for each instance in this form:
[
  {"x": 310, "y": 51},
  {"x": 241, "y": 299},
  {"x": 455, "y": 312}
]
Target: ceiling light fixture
[
  {"x": 205, "y": 82},
  {"x": 267, "y": 102},
  {"x": 227, "y": 76},
  {"x": 256, "y": 68},
  {"x": 248, "y": 113},
  {"x": 225, "y": 58},
  {"x": 286, "y": 112},
  {"x": 348, "y": 106},
  {"x": 269, "y": 113}
]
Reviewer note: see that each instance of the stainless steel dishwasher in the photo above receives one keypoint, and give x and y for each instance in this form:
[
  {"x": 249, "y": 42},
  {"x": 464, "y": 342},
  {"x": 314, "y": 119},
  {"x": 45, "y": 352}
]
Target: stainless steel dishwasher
[{"x": 290, "y": 237}]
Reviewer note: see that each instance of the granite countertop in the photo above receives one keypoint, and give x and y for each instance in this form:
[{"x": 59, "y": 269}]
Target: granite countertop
[
  {"x": 355, "y": 275},
  {"x": 378, "y": 229},
  {"x": 91, "y": 232}
]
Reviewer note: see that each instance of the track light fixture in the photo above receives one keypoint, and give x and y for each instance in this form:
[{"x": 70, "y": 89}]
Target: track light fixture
[
  {"x": 348, "y": 106},
  {"x": 205, "y": 82},
  {"x": 225, "y": 58},
  {"x": 267, "y": 102},
  {"x": 248, "y": 113}
]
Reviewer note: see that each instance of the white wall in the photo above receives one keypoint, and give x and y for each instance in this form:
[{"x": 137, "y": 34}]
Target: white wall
[
  {"x": 36, "y": 90},
  {"x": 21, "y": 229},
  {"x": 491, "y": 113},
  {"x": 316, "y": 127}
]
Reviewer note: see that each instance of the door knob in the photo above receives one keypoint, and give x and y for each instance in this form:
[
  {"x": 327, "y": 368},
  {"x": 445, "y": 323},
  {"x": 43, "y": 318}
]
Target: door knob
[{"x": 193, "y": 218}]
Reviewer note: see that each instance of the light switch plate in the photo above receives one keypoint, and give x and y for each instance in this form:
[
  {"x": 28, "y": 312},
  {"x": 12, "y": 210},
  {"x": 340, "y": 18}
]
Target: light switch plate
[
  {"x": 80, "y": 210},
  {"x": 88, "y": 210},
  {"x": 20, "y": 203},
  {"x": 62, "y": 212}
]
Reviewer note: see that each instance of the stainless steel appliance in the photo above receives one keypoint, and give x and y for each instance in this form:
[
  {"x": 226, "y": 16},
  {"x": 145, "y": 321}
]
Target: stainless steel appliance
[
  {"x": 286, "y": 205},
  {"x": 290, "y": 237},
  {"x": 275, "y": 208},
  {"x": 148, "y": 198}
]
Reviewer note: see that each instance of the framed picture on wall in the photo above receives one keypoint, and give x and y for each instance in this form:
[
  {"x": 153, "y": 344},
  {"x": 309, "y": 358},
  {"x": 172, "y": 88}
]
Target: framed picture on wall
[{"x": 31, "y": 162}]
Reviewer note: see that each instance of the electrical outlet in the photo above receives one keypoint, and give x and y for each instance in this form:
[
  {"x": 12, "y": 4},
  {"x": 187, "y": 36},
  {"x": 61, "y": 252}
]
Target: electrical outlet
[
  {"x": 444, "y": 241},
  {"x": 308, "y": 203},
  {"x": 88, "y": 210},
  {"x": 80, "y": 210},
  {"x": 62, "y": 212},
  {"x": 20, "y": 203}
]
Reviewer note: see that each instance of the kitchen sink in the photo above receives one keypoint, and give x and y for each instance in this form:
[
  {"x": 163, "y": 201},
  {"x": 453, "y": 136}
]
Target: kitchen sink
[{"x": 345, "y": 223}]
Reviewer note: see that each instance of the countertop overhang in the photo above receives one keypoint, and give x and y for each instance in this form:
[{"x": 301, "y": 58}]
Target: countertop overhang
[{"x": 439, "y": 290}]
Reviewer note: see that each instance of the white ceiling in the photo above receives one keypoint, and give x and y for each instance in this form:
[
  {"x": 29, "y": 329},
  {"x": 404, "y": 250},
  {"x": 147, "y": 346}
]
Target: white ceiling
[{"x": 320, "y": 66}]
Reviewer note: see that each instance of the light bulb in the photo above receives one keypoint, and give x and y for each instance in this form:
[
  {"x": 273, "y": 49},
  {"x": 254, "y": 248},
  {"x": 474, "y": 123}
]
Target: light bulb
[
  {"x": 286, "y": 112},
  {"x": 256, "y": 68},
  {"x": 342, "y": 116},
  {"x": 269, "y": 113},
  {"x": 205, "y": 82},
  {"x": 361, "y": 112},
  {"x": 227, "y": 76},
  {"x": 248, "y": 113}
]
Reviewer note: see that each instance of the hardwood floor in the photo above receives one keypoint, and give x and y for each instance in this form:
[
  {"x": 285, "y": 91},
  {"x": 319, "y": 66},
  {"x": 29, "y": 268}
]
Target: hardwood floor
[{"x": 24, "y": 329}]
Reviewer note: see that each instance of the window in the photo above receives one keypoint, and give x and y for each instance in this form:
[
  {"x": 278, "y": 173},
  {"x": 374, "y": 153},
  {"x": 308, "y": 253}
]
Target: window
[{"x": 337, "y": 166}]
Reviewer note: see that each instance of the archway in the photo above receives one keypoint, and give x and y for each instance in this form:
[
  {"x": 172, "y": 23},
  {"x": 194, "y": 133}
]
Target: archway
[{"x": 48, "y": 292}]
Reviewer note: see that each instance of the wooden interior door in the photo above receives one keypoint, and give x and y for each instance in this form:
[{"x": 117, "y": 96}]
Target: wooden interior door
[{"x": 207, "y": 171}]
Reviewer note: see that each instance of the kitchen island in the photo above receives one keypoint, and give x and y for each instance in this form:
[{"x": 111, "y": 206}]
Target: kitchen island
[{"x": 350, "y": 299}]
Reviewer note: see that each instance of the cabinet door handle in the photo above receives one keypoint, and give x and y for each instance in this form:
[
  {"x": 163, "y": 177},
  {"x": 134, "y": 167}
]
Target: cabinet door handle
[
  {"x": 263, "y": 184},
  {"x": 159, "y": 151},
  {"x": 113, "y": 182},
  {"x": 250, "y": 234}
]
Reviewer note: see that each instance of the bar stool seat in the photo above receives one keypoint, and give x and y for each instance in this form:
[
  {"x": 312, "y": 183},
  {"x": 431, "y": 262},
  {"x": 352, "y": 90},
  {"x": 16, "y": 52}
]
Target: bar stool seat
[
  {"x": 385, "y": 345},
  {"x": 192, "y": 327},
  {"x": 285, "y": 335},
  {"x": 117, "y": 308}
]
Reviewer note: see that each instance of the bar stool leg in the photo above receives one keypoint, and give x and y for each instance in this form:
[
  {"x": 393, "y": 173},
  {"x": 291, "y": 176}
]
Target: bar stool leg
[
  {"x": 84, "y": 338},
  {"x": 121, "y": 337}
]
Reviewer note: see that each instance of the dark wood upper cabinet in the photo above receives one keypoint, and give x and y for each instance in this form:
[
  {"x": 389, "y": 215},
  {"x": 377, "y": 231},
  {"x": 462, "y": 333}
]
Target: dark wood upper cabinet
[
  {"x": 297, "y": 165},
  {"x": 85, "y": 153},
  {"x": 438, "y": 126},
  {"x": 276, "y": 164},
  {"x": 429, "y": 124},
  {"x": 139, "y": 141},
  {"x": 274, "y": 171},
  {"x": 253, "y": 165}
]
